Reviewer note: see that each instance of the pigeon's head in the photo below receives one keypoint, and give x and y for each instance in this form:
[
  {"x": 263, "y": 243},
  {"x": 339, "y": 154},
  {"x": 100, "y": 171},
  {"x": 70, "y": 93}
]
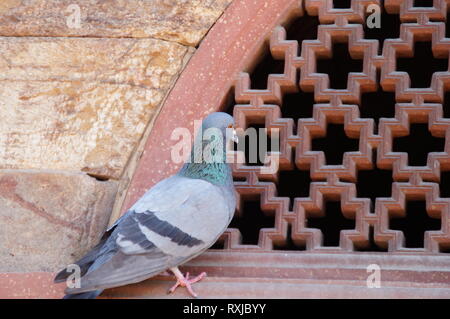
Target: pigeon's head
[
  {"x": 210, "y": 150},
  {"x": 222, "y": 122}
]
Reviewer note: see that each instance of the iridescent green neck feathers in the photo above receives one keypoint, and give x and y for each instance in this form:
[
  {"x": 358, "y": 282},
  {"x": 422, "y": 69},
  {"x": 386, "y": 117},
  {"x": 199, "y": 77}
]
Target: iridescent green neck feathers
[{"x": 208, "y": 161}]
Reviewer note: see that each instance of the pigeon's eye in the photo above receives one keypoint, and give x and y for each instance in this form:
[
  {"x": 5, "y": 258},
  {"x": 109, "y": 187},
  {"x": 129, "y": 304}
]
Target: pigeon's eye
[{"x": 230, "y": 126}]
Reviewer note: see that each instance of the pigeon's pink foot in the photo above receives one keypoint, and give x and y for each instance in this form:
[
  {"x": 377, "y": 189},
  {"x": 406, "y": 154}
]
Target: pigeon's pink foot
[{"x": 183, "y": 281}]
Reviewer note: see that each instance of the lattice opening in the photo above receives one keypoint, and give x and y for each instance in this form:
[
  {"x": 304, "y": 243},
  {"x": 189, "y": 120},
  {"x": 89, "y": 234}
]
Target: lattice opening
[
  {"x": 446, "y": 105},
  {"x": 376, "y": 105},
  {"x": 339, "y": 65},
  {"x": 257, "y": 155},
  {"x": 447, "y": 25},
  {"x": 268, "y": 65},
  {"x": 335, "y": 144},
  {"x": 303, "y": 28},
  {"x": 414, "y": 225},
  {"x": 342, "y": 4},
  {"x": 331, "y": 222},
  {"x": 445, "y": 184},
  {"x": 390, "y": 29},
  {"x": 422, "y": 66},
  {"x": 251, "y": 220},
  {"x": 366, "y": 181},
  {"x": 293, "y": 184},
  {"x": 219, "y": 244},
  {"x": 423, "y": 3},
  {"x": 297, "y": 105},
  {"x": 418, "y": 135},
  {"x": 229, "y": 102}
]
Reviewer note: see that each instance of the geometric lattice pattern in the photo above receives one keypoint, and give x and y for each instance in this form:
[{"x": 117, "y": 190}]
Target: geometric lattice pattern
[{"x": 371, "y": 223}]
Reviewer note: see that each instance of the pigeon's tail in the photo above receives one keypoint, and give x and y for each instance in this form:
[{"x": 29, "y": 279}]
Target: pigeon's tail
[{"x": 84, "y": 295}]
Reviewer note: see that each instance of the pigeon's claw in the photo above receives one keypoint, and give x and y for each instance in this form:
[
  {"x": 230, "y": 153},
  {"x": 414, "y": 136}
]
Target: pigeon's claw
[{"x": 183, "y": 281}]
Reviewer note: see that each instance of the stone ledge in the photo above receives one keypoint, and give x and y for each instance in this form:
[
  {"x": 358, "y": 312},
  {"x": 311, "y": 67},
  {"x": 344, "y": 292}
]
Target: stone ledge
[
  {"x": 274, "y": 275},
  {"x": 267, "y": 288},
  {"x": 40, "y": 285}
]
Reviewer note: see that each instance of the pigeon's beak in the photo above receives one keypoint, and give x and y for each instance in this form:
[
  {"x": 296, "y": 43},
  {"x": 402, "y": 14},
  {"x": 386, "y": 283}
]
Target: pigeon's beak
[{"x": 234, "y": 137}]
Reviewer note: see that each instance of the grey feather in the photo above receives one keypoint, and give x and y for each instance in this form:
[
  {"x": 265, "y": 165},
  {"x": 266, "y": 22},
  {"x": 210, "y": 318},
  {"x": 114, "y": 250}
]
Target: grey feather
[{"x": 163, "y": 228}]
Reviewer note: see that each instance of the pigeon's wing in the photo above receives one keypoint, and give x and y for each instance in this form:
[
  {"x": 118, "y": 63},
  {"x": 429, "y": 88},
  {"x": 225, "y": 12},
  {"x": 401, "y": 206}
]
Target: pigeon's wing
[
  {"x": 84, "y": 263},
  {"x": 182, "y": 216},
  {"x": 172, "y": 223},
  {"x": 88, "y": 259}
]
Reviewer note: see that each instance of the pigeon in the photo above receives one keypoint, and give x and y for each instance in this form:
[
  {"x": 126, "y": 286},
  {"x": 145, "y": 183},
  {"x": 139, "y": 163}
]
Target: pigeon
[{"x": 174, "y": 221}]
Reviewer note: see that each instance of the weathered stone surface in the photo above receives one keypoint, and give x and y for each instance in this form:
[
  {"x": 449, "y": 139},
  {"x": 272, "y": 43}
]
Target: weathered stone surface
[
  {"x": 80, "y": 104},
  {"x": 183, "y": 21},
  {"x": 48, "y": 220},
  {"x": 142, "y": 62}
]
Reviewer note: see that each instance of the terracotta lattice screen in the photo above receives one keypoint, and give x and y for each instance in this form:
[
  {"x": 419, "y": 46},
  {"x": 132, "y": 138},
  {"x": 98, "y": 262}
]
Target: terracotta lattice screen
[
  {"x": 361, "y": 114},
  {"x": 363, "y": 117}
]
